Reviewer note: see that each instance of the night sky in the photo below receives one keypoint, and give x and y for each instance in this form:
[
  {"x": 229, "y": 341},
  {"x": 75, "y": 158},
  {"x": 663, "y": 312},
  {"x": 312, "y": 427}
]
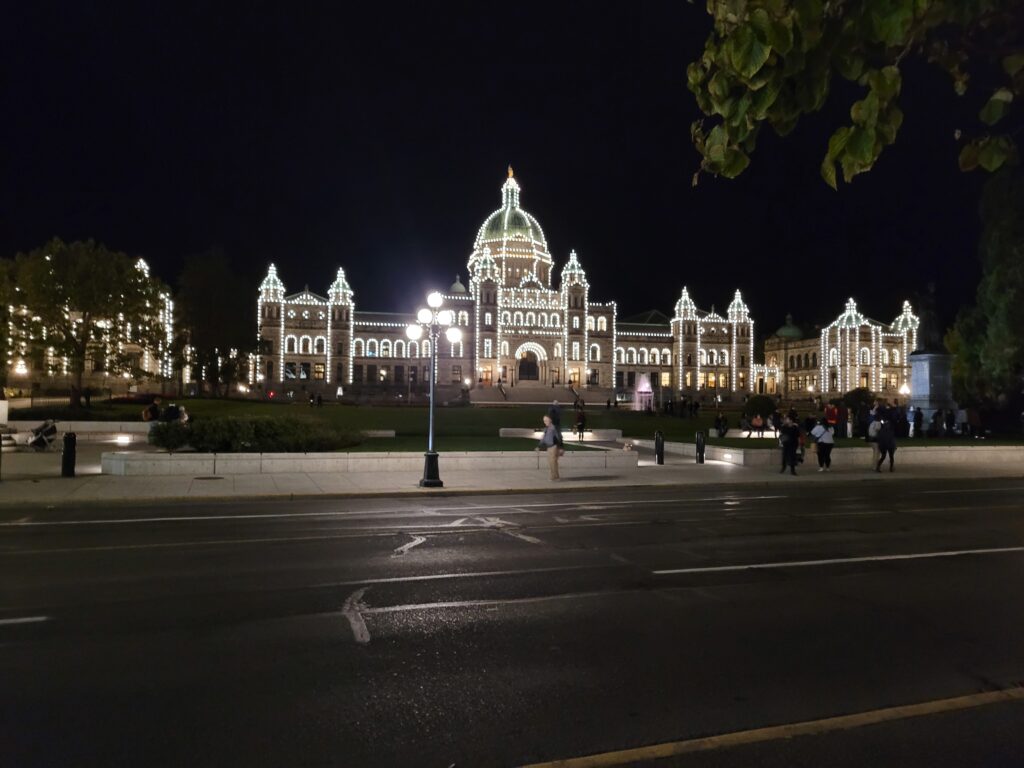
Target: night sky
[{"x": 375, "y": 136}]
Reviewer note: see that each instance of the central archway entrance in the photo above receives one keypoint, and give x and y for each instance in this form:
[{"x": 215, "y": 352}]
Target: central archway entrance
[
  {"x": 531, "y": 364},
  {"x": 528, "y": 368}
]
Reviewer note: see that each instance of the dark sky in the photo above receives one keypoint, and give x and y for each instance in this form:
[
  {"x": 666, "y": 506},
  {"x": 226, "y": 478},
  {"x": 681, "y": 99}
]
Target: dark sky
[{"x": 375, "y": 136}]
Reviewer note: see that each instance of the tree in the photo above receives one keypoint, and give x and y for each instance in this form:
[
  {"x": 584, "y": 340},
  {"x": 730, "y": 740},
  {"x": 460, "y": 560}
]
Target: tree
[
  {"x": 82, "y": 295},
  {"x": 773, "y": 61},
  {"x": 217, "y": 317},
  {"x": 988, "y": 338},
  {"x": 7, "y": 298}
]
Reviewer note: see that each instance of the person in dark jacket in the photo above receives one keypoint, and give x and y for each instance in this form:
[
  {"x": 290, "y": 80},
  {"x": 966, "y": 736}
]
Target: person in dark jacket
[
  {"x": 555, "y": 414},
  {"x": 886, "y": 445},
  {"x": 789, "y": 438}
]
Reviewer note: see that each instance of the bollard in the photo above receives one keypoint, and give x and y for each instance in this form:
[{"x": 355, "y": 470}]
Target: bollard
[
  {"x": 659, "y": 447},
  {"x": 67, "y": 459},
  {"x": 700, "y": 447}
]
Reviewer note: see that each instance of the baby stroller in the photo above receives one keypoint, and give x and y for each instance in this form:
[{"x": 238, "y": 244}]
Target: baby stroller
[{"x": 44, "y": 435}]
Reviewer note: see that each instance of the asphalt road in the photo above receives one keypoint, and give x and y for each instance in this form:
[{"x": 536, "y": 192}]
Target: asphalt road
[{"x": 502, "y": 631}]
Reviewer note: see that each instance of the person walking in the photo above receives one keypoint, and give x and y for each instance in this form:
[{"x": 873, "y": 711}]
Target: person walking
[
  {"x": 789, "y": 439},
  {"x": 824, "y": 438},
  {"x": 886, "y": 445},
  {"x": 551, "y": 442},
  {"x": 581, "y": 423}
]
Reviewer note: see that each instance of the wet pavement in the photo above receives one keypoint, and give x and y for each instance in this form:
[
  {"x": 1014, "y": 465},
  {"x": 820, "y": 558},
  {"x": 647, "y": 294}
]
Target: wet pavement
[{"x": 514, "y": 630}]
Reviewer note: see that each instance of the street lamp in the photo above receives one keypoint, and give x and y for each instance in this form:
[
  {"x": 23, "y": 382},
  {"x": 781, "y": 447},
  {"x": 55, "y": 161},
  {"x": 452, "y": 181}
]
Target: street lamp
[{"x": 431, "y": 321}]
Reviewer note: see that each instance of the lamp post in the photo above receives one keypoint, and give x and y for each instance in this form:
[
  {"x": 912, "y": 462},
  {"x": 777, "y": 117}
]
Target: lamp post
[{"x": 431, "y": 319}]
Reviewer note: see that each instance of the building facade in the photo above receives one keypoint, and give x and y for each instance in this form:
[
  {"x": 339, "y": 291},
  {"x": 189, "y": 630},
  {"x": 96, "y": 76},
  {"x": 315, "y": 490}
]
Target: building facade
[{"x": 523, "y": 328}]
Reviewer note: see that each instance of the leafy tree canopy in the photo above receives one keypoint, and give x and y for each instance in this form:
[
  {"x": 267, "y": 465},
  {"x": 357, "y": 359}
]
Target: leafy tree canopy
[
  {"x": 772, "y": 61},
  {"x": 80, "y": 295}
]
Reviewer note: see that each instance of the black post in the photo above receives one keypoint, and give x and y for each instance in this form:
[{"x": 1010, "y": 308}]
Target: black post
[
  {"x": 67, "y": 459},
  {"x": 700, "y": 447},
  {"x": 659, "y": 447}
]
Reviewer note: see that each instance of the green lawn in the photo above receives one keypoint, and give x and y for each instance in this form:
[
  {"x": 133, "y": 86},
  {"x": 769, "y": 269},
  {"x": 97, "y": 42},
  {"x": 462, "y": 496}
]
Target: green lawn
[{"x": 418, "y": 444}]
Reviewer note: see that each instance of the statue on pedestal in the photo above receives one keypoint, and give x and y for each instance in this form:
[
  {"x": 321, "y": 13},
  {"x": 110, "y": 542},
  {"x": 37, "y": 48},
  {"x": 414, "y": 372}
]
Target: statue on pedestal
[{"x": 929, "y": 331}]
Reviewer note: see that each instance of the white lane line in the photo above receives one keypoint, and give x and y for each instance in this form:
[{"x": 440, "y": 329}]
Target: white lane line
[
  {"x": 462, "y": 575},
  {"x": 520, "y": 536},
  {"x": 416, "y": 541},
  {"x": 479, "y": 603},
  {"x": 352, "y": 610},
  {"x": 595, "y": 504},
  {"x": 840, "y": 560},
  {"x": 971, "y": 491},
  {"x": 507, "y": 528},
  {"x": 24, "y": 620},
  {"x": 456, "y": 523},
  {"x": 560, "y": 519}
]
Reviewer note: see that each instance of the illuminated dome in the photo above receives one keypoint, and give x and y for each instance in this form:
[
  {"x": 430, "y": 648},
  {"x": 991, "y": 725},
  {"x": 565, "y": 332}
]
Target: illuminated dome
[
  {"x": 789, "y": 330},
  {"x": 515, "y": 239}
]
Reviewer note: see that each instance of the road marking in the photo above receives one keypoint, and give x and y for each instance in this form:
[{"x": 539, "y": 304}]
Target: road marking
[
  {"x": 456, "y": 523},
  {"x": 404, "y": 549},
  {"x": 973, "y": 491},
  {"x": 560, "y": 519},
  {"x": 496, "y": 602},
  {"x": 461, "y": 575},
  {"x": 787, "y": 731},
  {"x": 840, "y": 560},
  {"x": 507, "y": 528},
  {"x": 24, "y": 620},
  {"x": 351, "y": 610},
  {"x": 602, "y": 504}
]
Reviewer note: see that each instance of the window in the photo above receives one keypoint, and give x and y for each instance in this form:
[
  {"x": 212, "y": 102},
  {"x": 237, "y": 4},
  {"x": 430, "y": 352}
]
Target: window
[
  {"x": 883, "y": 356},
  {"x": 487, "y": 318},
  {"x": 341, "y": 348},
  {"x": 400, "y": 349},
  {"x": 620, "y": 355},
  {"x": 666, "y": 379},
  {"x": 555, "y": 320},
  {"x": 304, "y": 371},
  {"x": 357, "y": 374},
  {"x": 655, "y": 357},
  {"x": 488, "y": 348},
  {"x": 385, "y": 348},
  {"x": 595, "y": 353},
  {"x": 575, "y": 350},
  {"x": 807, "y": 360},
  {"x": 602, "y": 324},
  {"x": 305, "y": 345},
  {"x": 399, "y": 374},
  {"x": 666, "y": 357},
  {"x": 833, "y": 358},
  {"x": 414, "y": 349},
  {"x": 865, "y": 356},
  {"x": 576, "y": 323},
  {"x": 618, "y": 379},
  {"x": 712, "y": 357},
  {"x": 359, "y": 348},
  {"x": 371, "y": 374},
  {"x": 531, "y": 319},
  {"x": 506, "y": 318},
  {"x": 631, "y": 379},
  {"x": 456, "y": 349},
  {"x": 814, "y": 360},
  {"x": 290, "y": 371},
  {"x": 371, "y": 348},
  {"x": 558, "y": 350},
  {"x": 289, "y": 345},
  {"x": 517, "y": 318},
  {"x": 724, "y": 357},
  {"x": 590, "y": 323},
  {"x": 463, "y": 317},
  {"x": 456, "y": 374},
  {"x": 631, "y": 357},
  {"x": 320, "y": 346},
  {"x": 319, "y": 371},
  {"x": 642, "y": 357},
  {"x": 895, "y": 357},
  {"x": 385, "y": 374},
  {"x": 504, "y": 349},
  {"x": 341, "y": 373},
  {"x": 792, "y": 362},
  {"x": 702, "y": 357}
]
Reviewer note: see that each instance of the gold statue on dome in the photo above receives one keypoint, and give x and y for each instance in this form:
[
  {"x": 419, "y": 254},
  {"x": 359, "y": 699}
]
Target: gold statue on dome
[{"x": 510, "y": 174}]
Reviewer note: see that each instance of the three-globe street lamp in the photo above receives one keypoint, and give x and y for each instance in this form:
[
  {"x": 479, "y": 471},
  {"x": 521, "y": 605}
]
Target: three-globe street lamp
[{"x": 432, "y": 320}]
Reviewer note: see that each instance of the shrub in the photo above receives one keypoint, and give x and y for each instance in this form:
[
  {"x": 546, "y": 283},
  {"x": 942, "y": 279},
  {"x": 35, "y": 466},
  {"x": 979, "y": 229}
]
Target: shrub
[
  {"x": 226, "y": 434},
  {"x": 760, "y": 404}
]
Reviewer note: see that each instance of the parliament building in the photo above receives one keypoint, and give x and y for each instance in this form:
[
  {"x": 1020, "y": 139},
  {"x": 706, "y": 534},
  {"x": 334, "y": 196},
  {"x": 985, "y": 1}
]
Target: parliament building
[{"x": 528, "y": 326}]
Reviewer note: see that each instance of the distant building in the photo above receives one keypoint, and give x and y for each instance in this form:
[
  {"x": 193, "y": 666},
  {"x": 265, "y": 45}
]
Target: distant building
[{"x": 523, "y": 332}]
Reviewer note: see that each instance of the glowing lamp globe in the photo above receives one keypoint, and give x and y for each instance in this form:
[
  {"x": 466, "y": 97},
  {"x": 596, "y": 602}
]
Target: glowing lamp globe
[
  {"x": 434, "y": 300},
  {"x": 414, "y": 332},
  {"x": 424, "y": 316},
  {"x": 453, "y": 335},
  {"x": 445, "y": 317}
]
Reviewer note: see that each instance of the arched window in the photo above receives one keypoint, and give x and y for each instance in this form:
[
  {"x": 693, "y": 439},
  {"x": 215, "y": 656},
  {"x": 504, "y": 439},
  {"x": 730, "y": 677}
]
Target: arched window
[
  {"x": 666, "y": 357},
  {"x": 554, "y": 320},
  {"x": 865, "y": 356},
  {"x": 456, "y": 349},
  {"x": 359, "y": 348},
  {"x": 542, "y": 320},
  {"x": 531, "y": 319},
  {"x": 630, "y": 356},
  {"x": 289, "y": 345},
  {"x": 792, "y": 362},
  {"x": 833, "y": 357},
  {"x": 320, "y": 345},
  {"x": 602, "y": 323},
  {"x": 655, "y": 357},
  {"x": 620, "y": 355},
  {"x": 689, "y": 358},
  {"x": 807, "y": 360},
  {"x": 425, "y": 349},
  {"x": 506, "y": 318},
  {"x": 504, "y": 349},
  {"x": 371, "y": 348},
  {"x": 576, "y": 322},
  {"x": 400, "y": 348},
  {"x": 414, "y": 349},
  {"x": 642, "y": 357},
  {"x": 305, "y": 345},
  {"x": 773, "y": 360},
  {"x": 895, "y": 357},
  {"x": 595, "y": 353},
  {"x": 385, "y": 348},
  {"x": 558, "y": 350},
  {"x": 723, "y": 357},
  {"x": 517, "y": 318},
  {"x": 487, "y": 318},
  {"x": 702, "y": 357},
  {"x": 463, "y": 317},
  {"x": 590, "y": 323},
  {"x": 814, "y": 360},
  {"x": 883, "y": 356}
]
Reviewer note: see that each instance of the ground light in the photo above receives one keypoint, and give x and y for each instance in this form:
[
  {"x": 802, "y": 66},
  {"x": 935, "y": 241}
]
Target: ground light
[{"x": 431, "y": 321}]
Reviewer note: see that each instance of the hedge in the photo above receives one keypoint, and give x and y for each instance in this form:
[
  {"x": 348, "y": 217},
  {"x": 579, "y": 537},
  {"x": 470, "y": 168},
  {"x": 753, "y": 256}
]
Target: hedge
[{"x": 228, "y": 434}]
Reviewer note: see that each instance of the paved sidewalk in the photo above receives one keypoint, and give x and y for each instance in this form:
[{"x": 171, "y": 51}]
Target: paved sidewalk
[{"x": 34, "y": 480}]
